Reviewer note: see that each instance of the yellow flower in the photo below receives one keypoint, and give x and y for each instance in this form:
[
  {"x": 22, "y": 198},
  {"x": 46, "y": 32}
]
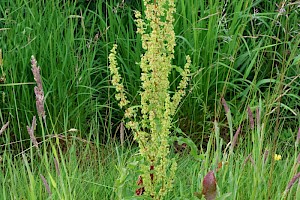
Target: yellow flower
[{"x": 277, "y": 157}]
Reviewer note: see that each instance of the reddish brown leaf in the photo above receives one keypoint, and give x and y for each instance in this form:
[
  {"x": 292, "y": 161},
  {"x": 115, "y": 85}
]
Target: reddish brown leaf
[
  {"x": 209, "y": 185},
  {"x": 140, "y": 191},
  {"x": 140, "y": 181},
  {"x": 151, "y": 175}
]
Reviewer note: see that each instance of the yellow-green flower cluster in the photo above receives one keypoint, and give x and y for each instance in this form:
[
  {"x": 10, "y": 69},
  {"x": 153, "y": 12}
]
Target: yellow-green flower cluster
[
  {"x": 182, "y": 85},
  {"x": 116, "y": 78},
  {"x": 157, "y": 106}
]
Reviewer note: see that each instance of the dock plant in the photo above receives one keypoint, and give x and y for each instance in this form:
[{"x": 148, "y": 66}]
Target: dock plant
[{"x": 151, "y": 121}]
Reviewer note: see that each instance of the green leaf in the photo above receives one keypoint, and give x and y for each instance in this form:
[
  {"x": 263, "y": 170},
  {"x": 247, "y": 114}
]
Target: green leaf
[{"x": 296, "y": 60}]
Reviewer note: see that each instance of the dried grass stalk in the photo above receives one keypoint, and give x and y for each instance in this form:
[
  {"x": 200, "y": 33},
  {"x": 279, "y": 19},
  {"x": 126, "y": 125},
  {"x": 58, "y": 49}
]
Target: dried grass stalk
[{"x": 4, "y": 127}]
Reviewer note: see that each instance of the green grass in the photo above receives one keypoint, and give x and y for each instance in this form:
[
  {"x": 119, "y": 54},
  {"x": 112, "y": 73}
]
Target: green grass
[
  {"x": 88, "y": 171},
  {"x": 249, "y": 59}
]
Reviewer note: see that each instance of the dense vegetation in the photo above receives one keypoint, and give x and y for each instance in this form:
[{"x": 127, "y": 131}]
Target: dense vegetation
[{"x": 245, "y": 77}]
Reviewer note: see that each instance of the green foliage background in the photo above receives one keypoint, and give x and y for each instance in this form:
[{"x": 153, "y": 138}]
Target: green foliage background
[
  {"x": 236, "y": 54},
  {"x": 245, "y": 51}
]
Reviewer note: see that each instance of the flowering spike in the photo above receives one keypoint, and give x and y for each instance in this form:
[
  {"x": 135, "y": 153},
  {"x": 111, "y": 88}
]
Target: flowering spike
[
  {"x": 249, "y": 157},
  {"x": 38, "y": 90},
  {"x": 116, "y": 78},
  {"x": 56, "y": 167},
  {"x": 235, "y": 137},
  {"x": 257, "y": 116},
  {"x": 31, "y": 132},
  {"x": 225, "y": 105},
  {"x": 250, "y": 115},
  {"x": 46, "y": 184},
  {"x": 157, "y": 106},
  {"x": 291, "y": 183},
  {"x": 266, "y": 154}
]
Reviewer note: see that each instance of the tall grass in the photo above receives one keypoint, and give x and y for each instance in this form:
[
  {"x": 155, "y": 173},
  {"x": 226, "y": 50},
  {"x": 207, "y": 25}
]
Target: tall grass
[{"x": 244, "y": 51}]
